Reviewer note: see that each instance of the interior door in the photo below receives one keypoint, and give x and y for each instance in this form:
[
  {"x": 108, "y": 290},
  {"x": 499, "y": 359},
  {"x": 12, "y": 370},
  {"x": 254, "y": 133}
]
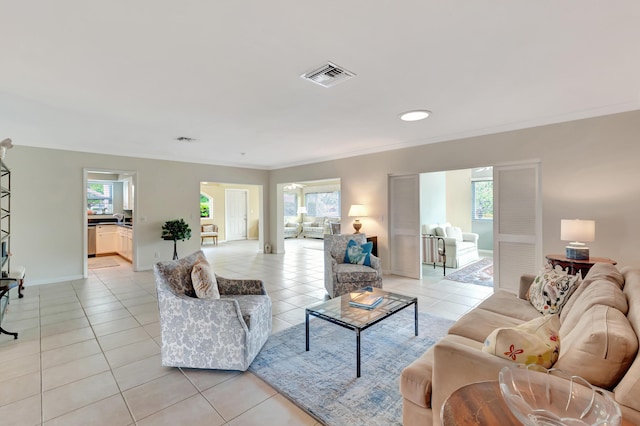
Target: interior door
[
  {"x": 517, "y": 224},
  {"x": 236, "y": 212},
  {"x": 404, "y": 225}
]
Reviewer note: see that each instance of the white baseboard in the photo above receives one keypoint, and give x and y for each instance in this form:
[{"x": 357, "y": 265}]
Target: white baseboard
[{"x": 52, "y": 280}]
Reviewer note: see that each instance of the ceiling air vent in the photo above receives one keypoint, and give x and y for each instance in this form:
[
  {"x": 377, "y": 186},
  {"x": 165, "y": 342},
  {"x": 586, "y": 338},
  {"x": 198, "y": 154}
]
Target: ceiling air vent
[{"x": 328, "y": 75}]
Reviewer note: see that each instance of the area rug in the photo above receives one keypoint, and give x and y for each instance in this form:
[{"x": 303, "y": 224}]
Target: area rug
[
  {"x": 323, "y": 381},
  {"x": 100, "y": 262},
  {"x": 480, "y": 272}
]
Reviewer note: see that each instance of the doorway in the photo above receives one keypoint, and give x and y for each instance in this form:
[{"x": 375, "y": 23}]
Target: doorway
[{"x": 109, "y": 215}]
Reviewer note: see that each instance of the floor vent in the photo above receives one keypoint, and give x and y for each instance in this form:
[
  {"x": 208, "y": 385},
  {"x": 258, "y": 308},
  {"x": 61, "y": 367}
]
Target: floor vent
[{"x": 328, "y": 75}]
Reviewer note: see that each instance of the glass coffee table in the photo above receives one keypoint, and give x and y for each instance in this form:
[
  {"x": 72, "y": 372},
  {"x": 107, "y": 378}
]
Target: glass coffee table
[{"x": 339, "y": 311}]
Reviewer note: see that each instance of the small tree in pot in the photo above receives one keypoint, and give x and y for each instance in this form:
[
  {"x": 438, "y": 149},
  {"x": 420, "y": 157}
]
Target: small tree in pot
[{"x": 176, "y": 230}]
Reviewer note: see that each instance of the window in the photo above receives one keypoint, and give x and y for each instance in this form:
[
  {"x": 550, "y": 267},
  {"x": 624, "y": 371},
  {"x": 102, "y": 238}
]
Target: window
[
  {"x": 323, "y": 203},
  {"x": 100, "y": 197},
  {"x": 290, "y": 204},
  {"x": 206, "y": 207},
  {"x": 482, "y": 199}
]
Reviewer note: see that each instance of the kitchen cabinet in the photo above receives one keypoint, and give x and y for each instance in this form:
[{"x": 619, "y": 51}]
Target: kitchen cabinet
[
  {"x": 106, "y": 239},
  {"x": 127, "y": 193},
  {"x": 125, "y": 243}
]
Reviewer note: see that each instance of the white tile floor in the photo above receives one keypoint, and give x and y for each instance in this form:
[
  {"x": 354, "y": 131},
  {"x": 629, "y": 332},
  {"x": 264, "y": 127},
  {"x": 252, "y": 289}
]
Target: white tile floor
[{"x": 88, "y": 350}]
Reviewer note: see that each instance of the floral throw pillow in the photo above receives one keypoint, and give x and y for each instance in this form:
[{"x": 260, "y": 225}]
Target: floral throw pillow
[
  {"x": 550, "y": 290},
  {"x": 533, "y": 342},
  {"x": 359, "y": 254},
  {"x": 204, "y": 281}
]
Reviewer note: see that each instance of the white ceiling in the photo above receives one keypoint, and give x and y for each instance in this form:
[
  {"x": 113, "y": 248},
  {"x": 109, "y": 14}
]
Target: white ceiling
[{"x": 129, "y": 77}]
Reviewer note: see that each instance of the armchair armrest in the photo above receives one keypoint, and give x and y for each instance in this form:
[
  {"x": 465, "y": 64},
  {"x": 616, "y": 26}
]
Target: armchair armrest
[
  {"x": 471, "y": 237},
  {"x": 525, "y": 282},
  {"x": 457, "y": 364},
  {"x": 228, "y": 286},
  {"x": 375, "y": 263}
]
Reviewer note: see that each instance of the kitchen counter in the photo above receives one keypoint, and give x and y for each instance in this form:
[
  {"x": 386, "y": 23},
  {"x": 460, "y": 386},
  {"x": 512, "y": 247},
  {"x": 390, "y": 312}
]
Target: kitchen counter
[{"x": 124, "y": 225}]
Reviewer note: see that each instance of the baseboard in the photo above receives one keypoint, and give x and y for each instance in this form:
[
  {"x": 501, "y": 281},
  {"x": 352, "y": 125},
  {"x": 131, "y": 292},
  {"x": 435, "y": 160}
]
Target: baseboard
[{"x": 53, "y": 280}]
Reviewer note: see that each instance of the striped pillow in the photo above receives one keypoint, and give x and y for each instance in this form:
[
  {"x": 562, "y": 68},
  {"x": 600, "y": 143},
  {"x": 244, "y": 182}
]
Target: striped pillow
[{"x": 204, "y": 281}]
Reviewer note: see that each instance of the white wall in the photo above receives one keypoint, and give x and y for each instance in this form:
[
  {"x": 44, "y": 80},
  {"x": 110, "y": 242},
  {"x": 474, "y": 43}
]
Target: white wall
[
  {"x": 50, "y": 245},
  {"x": 433, "y": 195},
  {"x": 589, "y": 170},
  {"x": 459, "y": 199}
]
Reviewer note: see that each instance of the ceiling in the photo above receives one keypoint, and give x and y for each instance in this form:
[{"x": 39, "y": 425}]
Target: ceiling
[{"x": 129, "y": 78}]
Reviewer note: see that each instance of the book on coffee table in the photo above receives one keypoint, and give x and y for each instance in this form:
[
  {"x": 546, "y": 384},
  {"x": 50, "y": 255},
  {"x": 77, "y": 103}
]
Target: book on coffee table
[{"x": 364, "y": 300}]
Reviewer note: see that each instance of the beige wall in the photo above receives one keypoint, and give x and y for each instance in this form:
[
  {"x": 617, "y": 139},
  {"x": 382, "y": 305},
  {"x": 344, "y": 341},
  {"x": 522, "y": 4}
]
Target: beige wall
[
  {"x": 589, "y": 170},
  {"x": 217, "y": 192},
  {"x": 50, "y": 245},
  {"x": 459, "y": 198}
]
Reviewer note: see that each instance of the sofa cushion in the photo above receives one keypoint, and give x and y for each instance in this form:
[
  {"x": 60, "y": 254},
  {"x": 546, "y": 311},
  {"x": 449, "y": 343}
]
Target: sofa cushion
[
  {"x": 600, "y": 348},
  {"x": 350, "y": 273},
  {"x": 628, "y": 390},
  {"x": 550, "y": 290},
  {"x": 359, "y": 254},
  {"x": 506, "y": 303},
  {"x": 478, "y": 324},
  {"x": 599, "y": 271},
  {"x": 533, "y": 342},
  {"x": 204, "y": 281},
  {"x": 598, "y": 292}
]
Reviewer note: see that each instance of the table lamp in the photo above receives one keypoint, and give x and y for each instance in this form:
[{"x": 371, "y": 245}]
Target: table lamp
[
  {"x": 357, "y": 210},
  {"x": 577, "y": 232},
  {"x": 302, "y": 210}
]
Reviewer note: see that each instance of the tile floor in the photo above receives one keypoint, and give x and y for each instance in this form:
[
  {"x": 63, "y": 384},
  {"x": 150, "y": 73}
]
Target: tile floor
[{"x": 89, "y": 350}]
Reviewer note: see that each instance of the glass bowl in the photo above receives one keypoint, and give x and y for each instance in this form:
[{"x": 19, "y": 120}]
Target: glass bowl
[{"x": 537, "y": 396}]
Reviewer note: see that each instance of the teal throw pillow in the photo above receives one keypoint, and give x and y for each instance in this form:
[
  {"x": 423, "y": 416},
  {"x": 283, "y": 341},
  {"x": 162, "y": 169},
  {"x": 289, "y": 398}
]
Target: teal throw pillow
[{"x": 358, "y": 254}]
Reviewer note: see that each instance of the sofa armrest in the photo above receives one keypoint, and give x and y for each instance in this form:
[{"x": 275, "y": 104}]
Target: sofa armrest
[
  {"x": 471, "y": 237},
  {"x": 228, "y": 286},
  {"x": 525, "y": 282},
  {"x": 375, "y": 263},
  {"x": 456, "y": 364}
]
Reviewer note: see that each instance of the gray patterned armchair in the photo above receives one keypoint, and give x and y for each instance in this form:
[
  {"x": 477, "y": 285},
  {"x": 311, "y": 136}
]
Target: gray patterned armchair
[
  {"x": 225, "y": 333},
  {"x": 341, "y": 278}
]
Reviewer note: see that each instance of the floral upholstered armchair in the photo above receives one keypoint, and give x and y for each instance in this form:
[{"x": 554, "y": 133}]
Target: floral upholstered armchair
[
  {"x": 216, "y": 333},
  {"x": 340, "y": 277}
]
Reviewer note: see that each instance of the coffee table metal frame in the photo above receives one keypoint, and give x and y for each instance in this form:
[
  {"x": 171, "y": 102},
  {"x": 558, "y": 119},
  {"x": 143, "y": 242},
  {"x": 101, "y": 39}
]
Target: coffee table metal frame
[{"x": 338, "y": 311}]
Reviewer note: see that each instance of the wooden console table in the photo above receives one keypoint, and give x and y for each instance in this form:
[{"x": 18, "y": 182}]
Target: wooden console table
[{"x": 573, "y": 266}]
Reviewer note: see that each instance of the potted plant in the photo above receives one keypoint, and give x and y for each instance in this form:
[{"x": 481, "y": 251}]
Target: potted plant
[{"x": 176, "y": 230}]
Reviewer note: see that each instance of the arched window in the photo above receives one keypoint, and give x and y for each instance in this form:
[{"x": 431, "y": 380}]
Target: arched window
[{"x": 206, "y": 207}]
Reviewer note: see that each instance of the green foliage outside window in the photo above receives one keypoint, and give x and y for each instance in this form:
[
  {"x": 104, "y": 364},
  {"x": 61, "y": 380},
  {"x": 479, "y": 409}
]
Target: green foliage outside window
[{"x": 482, "y": 193}]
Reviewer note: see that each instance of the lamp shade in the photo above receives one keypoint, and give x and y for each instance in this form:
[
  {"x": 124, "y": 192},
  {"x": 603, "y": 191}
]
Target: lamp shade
[
  {"x": 302, "y": 210},
  {"x": 357, "y": 210},
  {"x": 577, "y": 230}
]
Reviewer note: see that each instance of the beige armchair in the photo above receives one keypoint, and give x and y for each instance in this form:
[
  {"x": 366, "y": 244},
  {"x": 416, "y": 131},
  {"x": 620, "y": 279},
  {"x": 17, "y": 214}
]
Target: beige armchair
[{"x": 341, "y": 278}]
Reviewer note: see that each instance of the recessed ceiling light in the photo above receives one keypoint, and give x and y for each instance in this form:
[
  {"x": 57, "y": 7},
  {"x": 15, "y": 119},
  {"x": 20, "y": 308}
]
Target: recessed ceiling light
[{"x": 415, "y": 115}]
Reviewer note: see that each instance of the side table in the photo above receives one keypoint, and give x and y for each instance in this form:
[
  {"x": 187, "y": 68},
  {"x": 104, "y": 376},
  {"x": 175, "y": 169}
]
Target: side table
[{"x": 573, "y": 266}]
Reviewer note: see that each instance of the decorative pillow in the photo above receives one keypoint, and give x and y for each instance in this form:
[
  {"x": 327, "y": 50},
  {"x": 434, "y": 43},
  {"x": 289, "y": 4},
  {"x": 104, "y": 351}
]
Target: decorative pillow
[
  {"x": 314, "y": 224},
  {"x": 290, "y": 225},
  {"x": 454, "y": 232},
  {"x": 439, "y": 231},
  {"x": 204, "y": 282},
  {"x": 533, "y": 342},
  {"x": 207, "y": 228},
  {"x": 359, "y": 254},
  {"x": 307, "y": 224},
  {"x": 550, "y": 290}
]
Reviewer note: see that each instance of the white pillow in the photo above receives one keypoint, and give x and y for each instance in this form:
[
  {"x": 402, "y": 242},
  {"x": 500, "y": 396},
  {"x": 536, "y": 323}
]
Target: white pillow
[
  {"x": 204, "y": 281},
  {"x": 454, "y": 232}
]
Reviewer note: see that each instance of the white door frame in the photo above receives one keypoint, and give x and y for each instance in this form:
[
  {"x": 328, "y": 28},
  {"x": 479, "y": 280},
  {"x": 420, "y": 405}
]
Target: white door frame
[{"x": 85, "y": 247}]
